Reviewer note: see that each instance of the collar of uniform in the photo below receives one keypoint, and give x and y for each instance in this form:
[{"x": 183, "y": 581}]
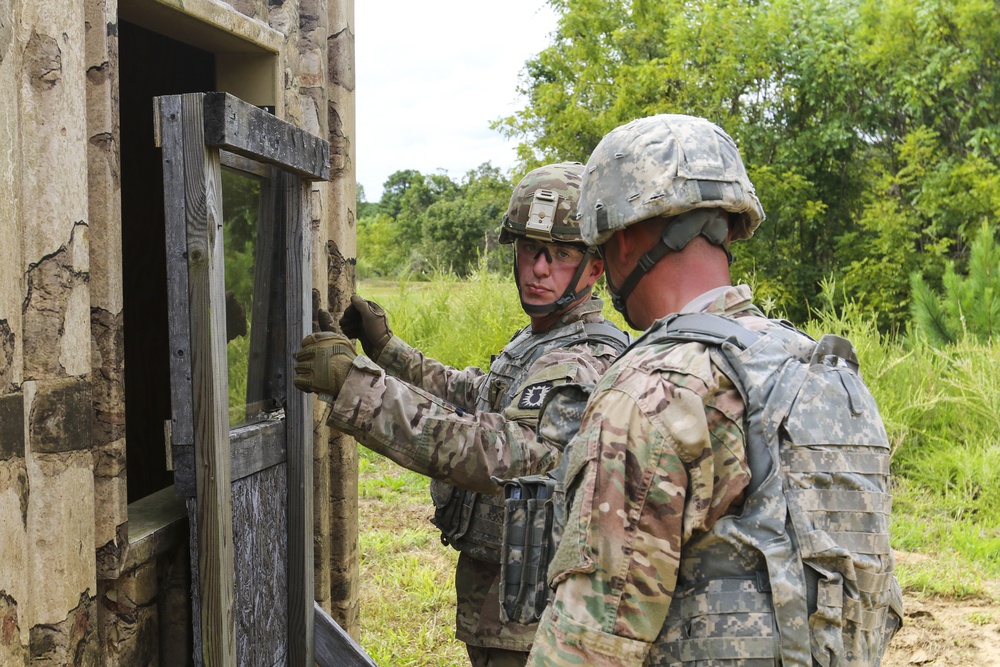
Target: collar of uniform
[
  {"x": 587, "y": 311},
  {"x": 726, "y": 300}
]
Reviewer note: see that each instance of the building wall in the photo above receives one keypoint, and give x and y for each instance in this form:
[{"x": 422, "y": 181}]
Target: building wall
[
  {"x": 14, "y": 585},
  {"x": 338, "y": 453},
  {"x": 49, "y": 583},
  {"x": 70, "y": 591}
]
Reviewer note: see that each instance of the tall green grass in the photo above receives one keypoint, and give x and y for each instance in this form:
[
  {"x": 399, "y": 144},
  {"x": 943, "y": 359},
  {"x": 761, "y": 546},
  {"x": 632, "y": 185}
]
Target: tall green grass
[
  {"x": 460, "y": 322},
  {"x": 941, "y": 409}
]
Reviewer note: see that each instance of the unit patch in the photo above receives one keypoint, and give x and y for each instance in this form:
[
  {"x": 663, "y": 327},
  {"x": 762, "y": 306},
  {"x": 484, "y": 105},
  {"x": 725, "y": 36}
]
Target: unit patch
[{"x": 532, "y": 397}]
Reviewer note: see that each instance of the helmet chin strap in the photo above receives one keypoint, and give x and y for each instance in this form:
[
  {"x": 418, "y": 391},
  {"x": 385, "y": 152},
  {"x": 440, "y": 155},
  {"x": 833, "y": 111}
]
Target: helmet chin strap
[
  {"x": 711, "y": 223},
  {"x": 567, "y": 298}
]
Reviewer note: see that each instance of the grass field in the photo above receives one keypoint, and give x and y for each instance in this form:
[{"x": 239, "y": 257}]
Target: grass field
[{"x": 941, "y": 408}]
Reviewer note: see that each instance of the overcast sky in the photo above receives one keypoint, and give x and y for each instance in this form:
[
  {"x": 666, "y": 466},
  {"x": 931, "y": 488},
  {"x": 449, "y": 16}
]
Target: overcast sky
[{"x": 430, "y": 78}]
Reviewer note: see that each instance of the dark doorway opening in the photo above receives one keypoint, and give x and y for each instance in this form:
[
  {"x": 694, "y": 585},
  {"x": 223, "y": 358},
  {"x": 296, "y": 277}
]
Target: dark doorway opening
[{"x": 149, "y": 65}]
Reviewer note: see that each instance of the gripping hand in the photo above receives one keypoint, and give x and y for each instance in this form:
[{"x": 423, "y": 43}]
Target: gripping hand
[
  {"x": 366, "y": 321},
  {"x": 322, "y": 320},
  {"x": 323, "y": 363}
]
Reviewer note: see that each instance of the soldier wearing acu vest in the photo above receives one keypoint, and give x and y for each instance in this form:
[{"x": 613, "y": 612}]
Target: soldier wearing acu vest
[
  {"x": 726, "y": 492},
  {"x": 468, "y": 428}
]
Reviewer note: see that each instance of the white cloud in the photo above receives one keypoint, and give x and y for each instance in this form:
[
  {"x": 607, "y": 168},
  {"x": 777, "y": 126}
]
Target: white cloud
[{"x": 432, "y": 76}]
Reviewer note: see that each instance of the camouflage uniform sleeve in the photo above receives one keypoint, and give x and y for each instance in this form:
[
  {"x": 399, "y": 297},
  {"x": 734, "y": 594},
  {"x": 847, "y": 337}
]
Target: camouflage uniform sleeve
[
  {"x": 429, "y": 435},
  {"x": 411, "y": 365},
  {"x": 647, "y": 469}
]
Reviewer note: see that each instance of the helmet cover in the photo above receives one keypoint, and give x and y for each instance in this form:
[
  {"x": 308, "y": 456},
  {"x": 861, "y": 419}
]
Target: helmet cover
[
  {"x": 543, "y": 206},
  {"x": 665, "y": 165}
]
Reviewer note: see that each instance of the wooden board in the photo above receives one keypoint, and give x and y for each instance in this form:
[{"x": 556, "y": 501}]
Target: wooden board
[
  {"x": 247, "y": 130},
  {"x": 209, "y": 372},
  {"x": 260, "y": 529},
  {"x": 299, "y": 420},
  {"x": 336, "y": 648}
]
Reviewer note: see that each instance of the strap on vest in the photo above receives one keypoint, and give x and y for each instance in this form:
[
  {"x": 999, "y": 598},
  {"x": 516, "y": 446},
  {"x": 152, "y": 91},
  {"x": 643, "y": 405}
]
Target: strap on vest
[
  {"x": 473, "y": 523},
  {"x": 703, "y": 328},
  {"x": 606, "y": 332}
]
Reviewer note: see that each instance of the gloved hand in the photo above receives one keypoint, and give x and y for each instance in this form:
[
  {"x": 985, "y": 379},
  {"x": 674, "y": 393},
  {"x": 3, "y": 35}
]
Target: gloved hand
[
  {"x": 324, "y": 361},
  {"x": 322, "y": 320},
  {"x": 366, "y": 321}
]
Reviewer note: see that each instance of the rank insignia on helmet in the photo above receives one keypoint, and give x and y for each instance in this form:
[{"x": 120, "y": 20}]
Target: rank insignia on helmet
[{"x": 533, "y": 396}]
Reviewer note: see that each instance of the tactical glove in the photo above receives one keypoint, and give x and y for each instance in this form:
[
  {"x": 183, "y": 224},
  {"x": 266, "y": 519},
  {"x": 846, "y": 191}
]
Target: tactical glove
[
  {"x": 366, "y": 321},
  {"x": 322, "y": 320},
  {"x": 323, "y": 363}
]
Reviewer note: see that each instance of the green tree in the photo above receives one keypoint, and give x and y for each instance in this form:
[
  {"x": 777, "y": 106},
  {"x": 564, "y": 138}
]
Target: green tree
[
  {"x": 970, "y": 304},
  {"x": 363, "y": 207},
  {"x": 862, "y": 122},
  {"x": 458, "y": 231},
  {"x": 426, "y": 224},
  {"x": 779, "y": 77},
  {"x": 379, "y": 252}
]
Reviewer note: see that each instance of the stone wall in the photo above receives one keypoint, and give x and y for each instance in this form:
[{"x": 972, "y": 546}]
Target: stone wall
[
  {"x": 336, "y": 271},
  {"x": 70, "y": 590},
  {"x": 48, "y": 580}
]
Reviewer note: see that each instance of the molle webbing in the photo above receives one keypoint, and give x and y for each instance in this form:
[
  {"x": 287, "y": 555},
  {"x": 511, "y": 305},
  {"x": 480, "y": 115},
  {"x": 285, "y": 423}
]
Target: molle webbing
[
  {"x": 471, "y": 522},
  {"x": 815, "y": 520}
]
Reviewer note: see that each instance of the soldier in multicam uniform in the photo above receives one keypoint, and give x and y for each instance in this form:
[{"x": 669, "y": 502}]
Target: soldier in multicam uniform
[
  {"x": 466, "y": 427},
  {"x": 666, "y": 558}
]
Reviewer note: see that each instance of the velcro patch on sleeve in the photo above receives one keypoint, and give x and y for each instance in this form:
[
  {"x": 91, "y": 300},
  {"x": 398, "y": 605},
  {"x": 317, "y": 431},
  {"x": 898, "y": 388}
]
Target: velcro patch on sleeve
[{"x": 533, "y": 395}]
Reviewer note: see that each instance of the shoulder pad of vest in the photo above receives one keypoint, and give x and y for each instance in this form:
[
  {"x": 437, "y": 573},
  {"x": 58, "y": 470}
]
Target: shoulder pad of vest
[
  {"x": 699, "y": 328},
  {"x": 606, "y": 332}
]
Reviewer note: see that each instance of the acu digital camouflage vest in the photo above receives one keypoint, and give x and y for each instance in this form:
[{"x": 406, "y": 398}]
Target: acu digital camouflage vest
[
  {"x": 803, "y": 575},
  {"x": 471, "y": 522}
]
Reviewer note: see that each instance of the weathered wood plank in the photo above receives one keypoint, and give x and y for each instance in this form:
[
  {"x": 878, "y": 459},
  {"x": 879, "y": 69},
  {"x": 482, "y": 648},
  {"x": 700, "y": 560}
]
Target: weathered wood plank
[
  {"x": 251, "y": 450},
  {"x": 334, "y": 647},
  {"x": 260, "y": 534},
  {"x": 299, "y": 420},
  {"x": 210, "y": 383},
  {"x": 244, "y": 129},
  {"x": 256, "y": 447},
  {"x": 183, "y": 460},
  {"x": 169, "y": 135}
]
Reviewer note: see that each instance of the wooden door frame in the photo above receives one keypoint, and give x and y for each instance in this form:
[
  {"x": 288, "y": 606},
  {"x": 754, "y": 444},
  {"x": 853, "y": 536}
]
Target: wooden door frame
[{"x": 192, "y": 130}]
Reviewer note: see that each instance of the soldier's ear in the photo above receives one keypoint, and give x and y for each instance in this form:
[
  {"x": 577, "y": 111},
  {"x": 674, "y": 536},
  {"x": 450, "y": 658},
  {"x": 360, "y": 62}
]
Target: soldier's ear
[
  {"x": 596, "y": 269},
  {"x": 618, "y": 247}
]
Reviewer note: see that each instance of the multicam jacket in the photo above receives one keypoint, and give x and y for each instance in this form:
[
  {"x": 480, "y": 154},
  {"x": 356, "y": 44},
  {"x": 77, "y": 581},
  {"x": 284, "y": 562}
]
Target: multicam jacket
[
  {"x": 658, "y": 467},
  {"x": 423, "y": 415}
]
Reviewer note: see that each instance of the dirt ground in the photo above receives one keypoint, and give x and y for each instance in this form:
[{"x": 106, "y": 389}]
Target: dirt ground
[
  {"x": 947, "y": 632},
  {"x": 939, "y": 632}
]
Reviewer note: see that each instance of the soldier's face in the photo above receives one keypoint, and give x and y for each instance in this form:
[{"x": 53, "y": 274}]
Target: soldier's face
[{"x": 545, "y": 269}]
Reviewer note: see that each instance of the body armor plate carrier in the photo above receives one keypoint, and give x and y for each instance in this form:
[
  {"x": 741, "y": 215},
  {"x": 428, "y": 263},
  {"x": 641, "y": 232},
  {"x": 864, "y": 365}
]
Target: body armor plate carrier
[
  {"x": 471, "y": 522},
  {"x": 803, "y": 574}
]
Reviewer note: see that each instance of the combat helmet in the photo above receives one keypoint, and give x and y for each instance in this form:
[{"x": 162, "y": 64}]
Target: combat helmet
[
  {"x": 665, "y": 165},
  {"x": 683, "y": 168},
  {"x": 543, "y": 206}
]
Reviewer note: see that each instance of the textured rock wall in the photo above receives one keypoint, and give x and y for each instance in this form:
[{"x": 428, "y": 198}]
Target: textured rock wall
[
  {"x": 14, "y": 585},
  {"x": 53, "y": 473},
  {"x": 338, "y": 261},
  {"x": 66, "y": 596}
]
